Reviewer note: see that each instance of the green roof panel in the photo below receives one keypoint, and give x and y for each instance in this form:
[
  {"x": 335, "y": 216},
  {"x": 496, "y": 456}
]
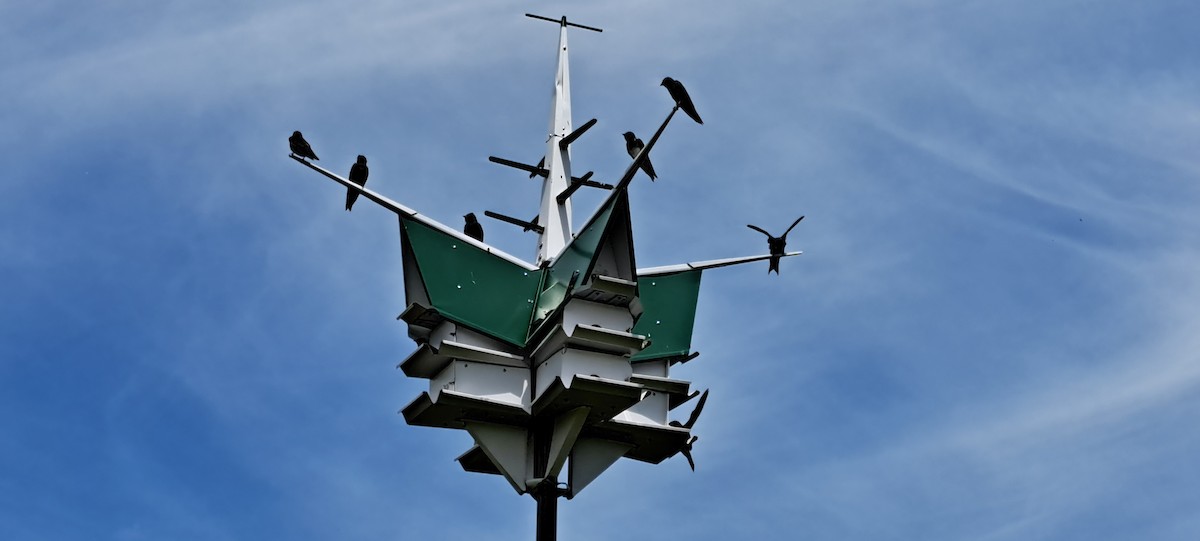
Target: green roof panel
[
  {"x": 669, "y": 313},
  {"x": 577, "y": 256},
  {"x": 471, "y": 286}
]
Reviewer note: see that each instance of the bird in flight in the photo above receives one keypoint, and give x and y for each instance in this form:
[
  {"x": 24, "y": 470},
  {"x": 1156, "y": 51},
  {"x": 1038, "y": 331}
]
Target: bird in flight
[
  {"x": 358, "y": 175},
  {"x": 680, "y": 95},
  {"x": 633, "y": 146},
  {"x": 300, "y": 147},
  {"x": 686, "y": 450},
  {"x": 473, "y": 228},
  {"x": 777, "y": 245},
  {"x": 695, "y": 413}
]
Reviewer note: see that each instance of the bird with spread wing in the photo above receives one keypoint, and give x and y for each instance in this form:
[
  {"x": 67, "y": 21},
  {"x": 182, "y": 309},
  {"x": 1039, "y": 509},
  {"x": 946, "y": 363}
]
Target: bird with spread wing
[{"x": 777, "y": 245}]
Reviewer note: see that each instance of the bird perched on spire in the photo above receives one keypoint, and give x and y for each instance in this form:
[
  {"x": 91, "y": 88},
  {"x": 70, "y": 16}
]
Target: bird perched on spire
[
  {"x": 300, "y": 147},
  {"x": 680, "y": 95},
  {"x": 473, "y": 228},
  {"x": 358, "y": 175},
  {"x": 633, "y": 146},
  {"x": 777, "y": 245}
]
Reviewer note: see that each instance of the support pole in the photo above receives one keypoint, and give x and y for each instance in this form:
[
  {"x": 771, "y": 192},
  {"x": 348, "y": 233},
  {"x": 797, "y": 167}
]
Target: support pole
[
  {"x": 547, "y": 510},
  {"x": 546, "y": 492}
]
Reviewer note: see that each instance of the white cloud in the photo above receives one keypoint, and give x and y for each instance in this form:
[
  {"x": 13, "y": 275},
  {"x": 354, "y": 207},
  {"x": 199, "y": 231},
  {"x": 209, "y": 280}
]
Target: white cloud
[{"x": 955, "y": 356}]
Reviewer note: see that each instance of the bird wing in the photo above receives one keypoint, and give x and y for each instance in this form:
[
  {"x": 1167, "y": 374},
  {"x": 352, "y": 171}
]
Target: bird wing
[
  {"x": 789, "y": 230},
  {"x": 649, "y": 168},
  {"x": 358, "y": 174},
  {"x": 760, "y": 230},
  {"x": 678, "y": 93},
  {"x": 304, "y": 149},
  {"x": 688, "y": 455},
  {"x": 696, "y": 412}
]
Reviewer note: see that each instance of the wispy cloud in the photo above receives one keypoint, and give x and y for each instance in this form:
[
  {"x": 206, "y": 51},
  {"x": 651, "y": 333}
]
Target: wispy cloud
[{"x": 989, "y": 336}]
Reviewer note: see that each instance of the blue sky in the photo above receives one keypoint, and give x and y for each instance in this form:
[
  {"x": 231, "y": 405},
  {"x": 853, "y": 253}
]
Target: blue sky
[{"x": 993, "y": 333}]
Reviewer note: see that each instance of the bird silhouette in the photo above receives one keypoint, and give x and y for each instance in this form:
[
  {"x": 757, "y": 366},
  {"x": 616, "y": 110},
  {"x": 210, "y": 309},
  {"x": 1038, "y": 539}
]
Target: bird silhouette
[
  {"x": 695, "y": 413},
  {"x": 358, "y": 175},
  {"x": 777, "y": 245},
  {"x": 540, "y": 165},
  {"x": 686, "y": 451},
  {"x": 680, "y": 95},
  {"x": 473, "y": 228},
  {"x": 633, "y": 146},
  {"x": 300, "y": 147}
]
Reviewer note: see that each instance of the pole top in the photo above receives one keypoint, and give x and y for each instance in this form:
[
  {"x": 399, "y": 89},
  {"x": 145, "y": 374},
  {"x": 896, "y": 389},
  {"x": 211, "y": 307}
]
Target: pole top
[{"x": 563, "y": 22}]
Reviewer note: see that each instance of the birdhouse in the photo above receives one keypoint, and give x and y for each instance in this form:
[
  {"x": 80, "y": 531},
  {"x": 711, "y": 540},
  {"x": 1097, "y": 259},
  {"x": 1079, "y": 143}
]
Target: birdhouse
[
  {"x": 506, "y": 346},
  {"x": 558, "y": 368}
]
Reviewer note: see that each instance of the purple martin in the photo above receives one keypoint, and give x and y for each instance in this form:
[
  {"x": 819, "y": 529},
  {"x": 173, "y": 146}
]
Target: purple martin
[
  {"x": 777, "y": 245},
  {"x": 358, "y": 175},
  {"x": 540, "y": 165},
  {"x": 300, "y": 147},
  {"x": 687, "y": 451},
  {"x": 633, "y": 145},
  {"x": 695, "y": 413},
  {"x": 680, "y": 95},
  {"x": 473, "y": 228}
]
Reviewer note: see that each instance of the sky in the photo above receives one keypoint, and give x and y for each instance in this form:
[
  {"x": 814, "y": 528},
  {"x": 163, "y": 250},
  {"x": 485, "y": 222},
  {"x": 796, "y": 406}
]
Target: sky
[{"x": 993, "y": 332}]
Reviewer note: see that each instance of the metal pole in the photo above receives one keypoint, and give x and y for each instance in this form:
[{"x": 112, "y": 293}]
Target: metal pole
[
  {"x": 546, "y": 492},
  {"x": 547, "y": 510}
]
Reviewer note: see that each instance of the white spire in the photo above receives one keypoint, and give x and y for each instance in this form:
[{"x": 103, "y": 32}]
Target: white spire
[{"x": 555, "y": 217}]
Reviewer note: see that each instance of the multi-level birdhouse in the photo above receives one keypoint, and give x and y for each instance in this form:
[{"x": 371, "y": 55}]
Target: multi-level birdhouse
[
  {"x": 582, "y": 345},
  {"x": 561, "y": 364}
]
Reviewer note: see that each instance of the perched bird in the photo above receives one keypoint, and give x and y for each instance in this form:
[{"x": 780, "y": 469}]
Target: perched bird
[
  {"x": 680, "y": 95},
  {"x": 358, "y": 175},
  {"x": 300, "y": 147},
  {"x": 540, "y": 165},
  {"x": 473, "y": 228},
  {"x": 777, "y": 245},
  {"x": 633, "y": 145}
]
